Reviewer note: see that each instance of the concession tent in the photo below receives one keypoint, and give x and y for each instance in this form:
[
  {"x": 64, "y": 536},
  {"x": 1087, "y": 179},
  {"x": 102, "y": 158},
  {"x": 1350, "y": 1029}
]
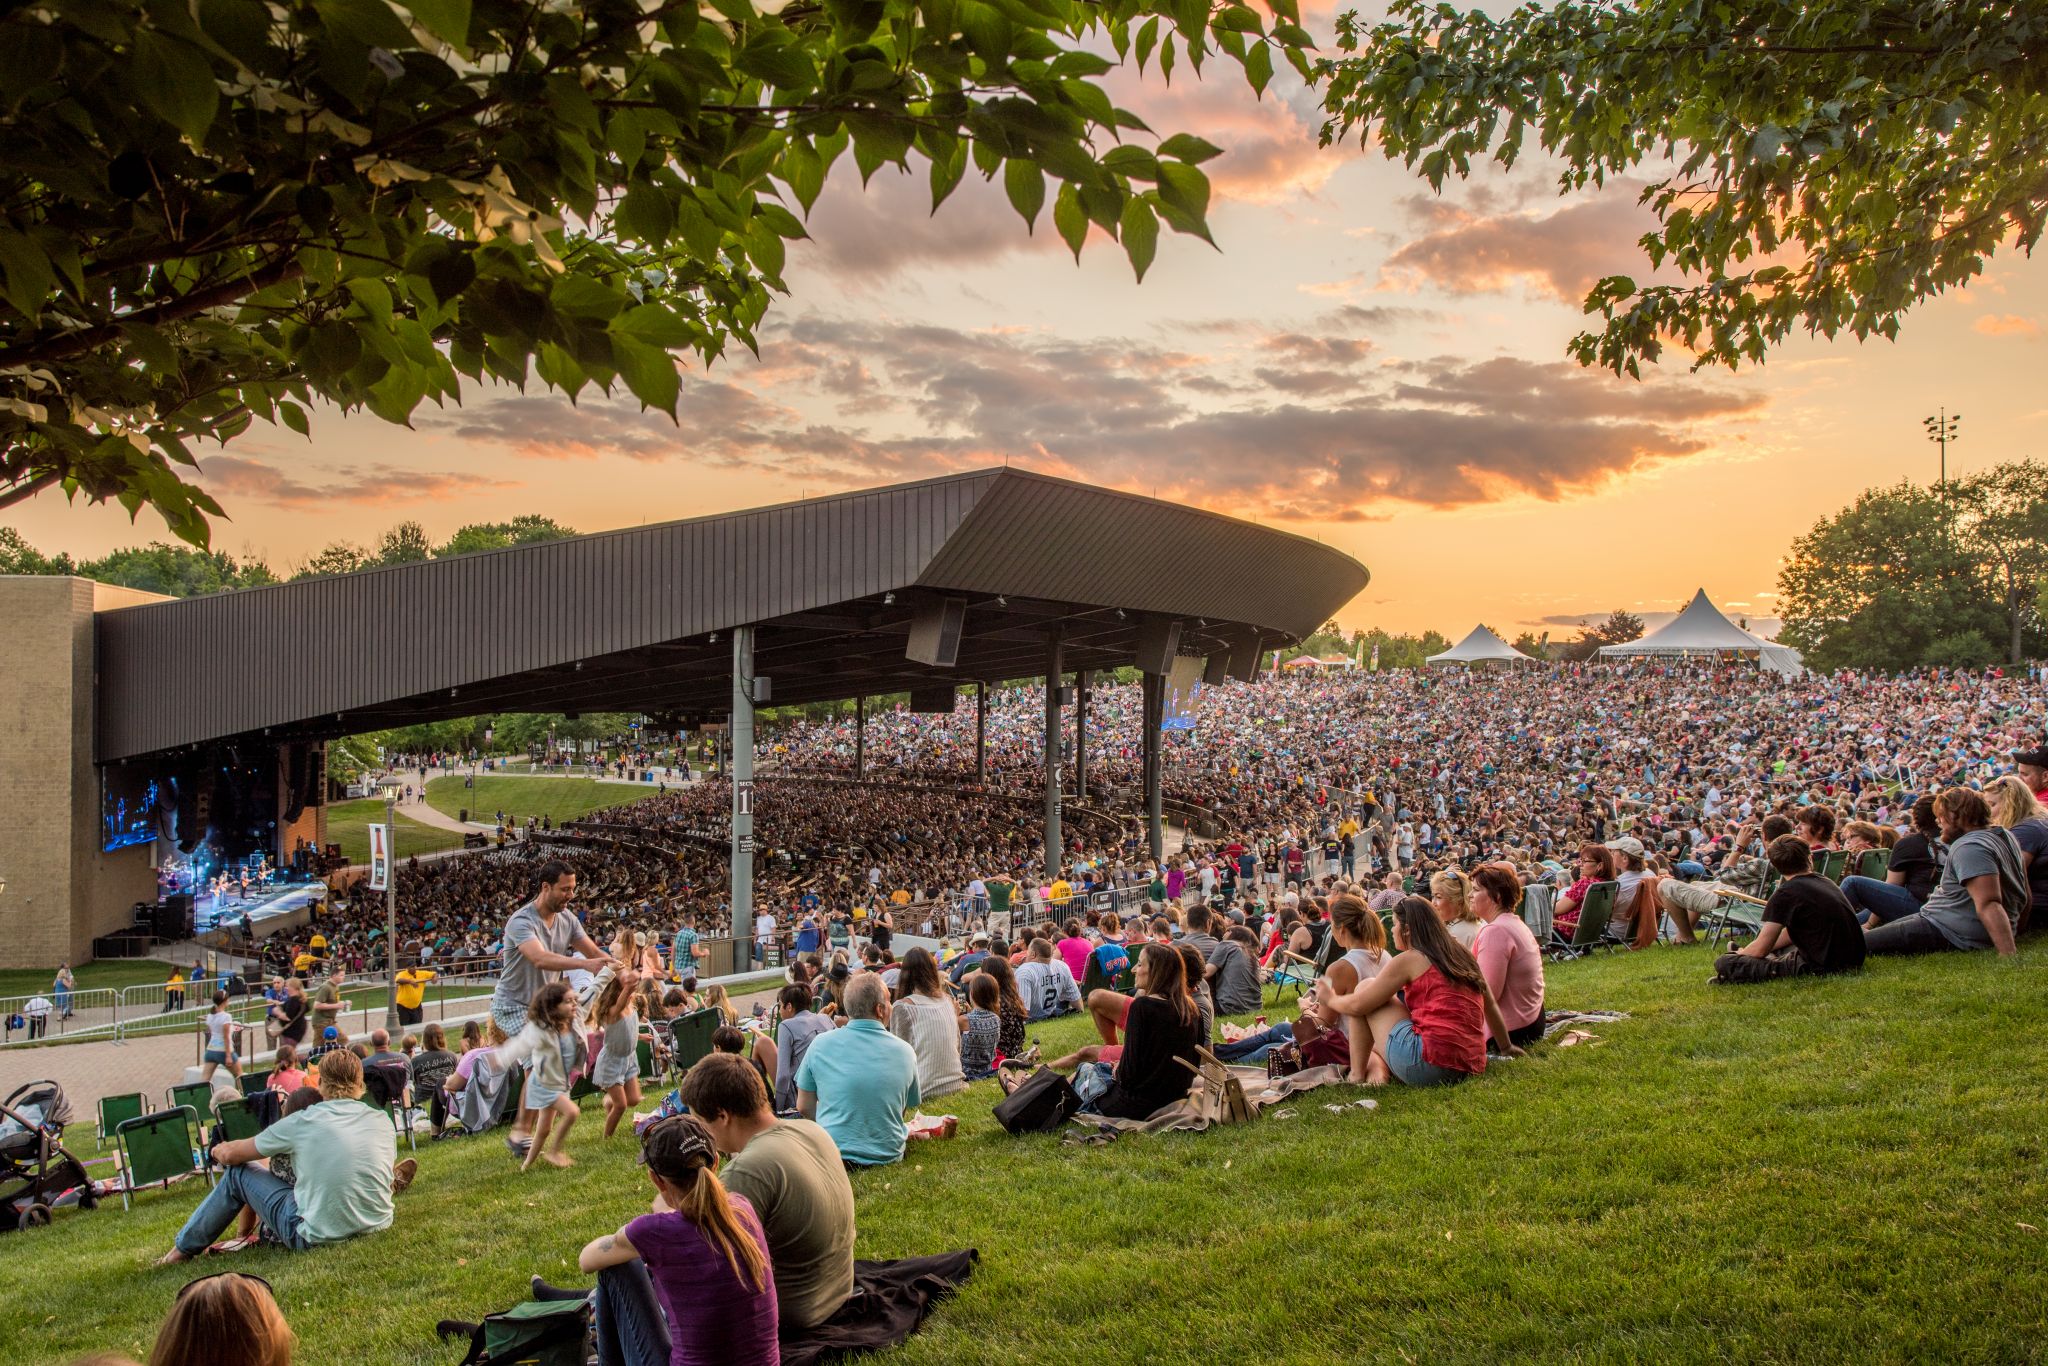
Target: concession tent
[
  {"x": 1481, "y": 647},
  {"x": 1701, "y": 629}
]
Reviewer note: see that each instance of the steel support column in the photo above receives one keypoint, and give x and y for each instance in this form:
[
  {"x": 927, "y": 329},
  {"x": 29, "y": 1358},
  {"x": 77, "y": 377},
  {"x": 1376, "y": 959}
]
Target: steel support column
[
  {"x": 981, "y": 733},
  {"x": 1054, "y": 670},
  {"x": 1081, "y": 736},
  {"x": 1155, "y": 716},
  {"x": 742, "y": 749}
]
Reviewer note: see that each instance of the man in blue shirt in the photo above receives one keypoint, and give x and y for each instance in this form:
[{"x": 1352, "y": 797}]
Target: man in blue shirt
[{"x": 857, "y": 1081}]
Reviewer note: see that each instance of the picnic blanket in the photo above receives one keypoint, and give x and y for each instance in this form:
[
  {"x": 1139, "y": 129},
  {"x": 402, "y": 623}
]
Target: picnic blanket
[
  {"x": 1199, "y": 1111},
  {"x": 889, "y": 1302}
]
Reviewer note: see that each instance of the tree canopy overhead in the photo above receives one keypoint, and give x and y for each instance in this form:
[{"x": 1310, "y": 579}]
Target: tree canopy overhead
[
  {"x": 215, "y": 212},
  {"x": 1836, "y": 161}
]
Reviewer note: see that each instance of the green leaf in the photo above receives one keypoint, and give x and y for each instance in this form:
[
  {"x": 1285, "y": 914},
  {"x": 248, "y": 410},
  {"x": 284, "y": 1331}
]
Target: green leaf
[
  {"x": 1140, "y": 235},
  {"x": 26, "y": 275},
  {"x": 1239, "y": 19},
  {"x": 370, "y": 22},
  {"x": 295, "y": 417},
  {"x": 1148, "y": 38},
  {"x": 626, "y": 135},
  {"x": 1258, "y": 67},
  {"x": 1134, "y": 162},
  {"x": 804, "y": 171},
  {"x": 1184, "y": 187},
  {"x": 1189, "y": 148},
  {"x": 449, "y": 274},
  {"x": 947, "y": 172},
  {"x": 652, "y": 324},
  {"x": 175, "y": 81},
  {"x": 647, "y": 214},
  {"x": 1070, "y": 218},
  {"x": 649, "y": 371},
  {"x": 1025, "y": 184},
  {"x": 447, "y": 20}
]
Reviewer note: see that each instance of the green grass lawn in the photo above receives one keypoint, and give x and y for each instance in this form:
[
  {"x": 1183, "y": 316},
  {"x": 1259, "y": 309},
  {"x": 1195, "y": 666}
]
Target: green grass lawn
[
  {"x": 1807, "y": 1171},
  {"x": 559, "y": 799},
  {"x": 115, "y": 972},
  {"x": 348, "y": 824}
]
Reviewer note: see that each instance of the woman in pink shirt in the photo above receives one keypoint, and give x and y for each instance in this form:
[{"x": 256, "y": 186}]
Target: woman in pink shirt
[
  {"x": 1507, "y": 952},
  {"x": 1075, "y": 947}
]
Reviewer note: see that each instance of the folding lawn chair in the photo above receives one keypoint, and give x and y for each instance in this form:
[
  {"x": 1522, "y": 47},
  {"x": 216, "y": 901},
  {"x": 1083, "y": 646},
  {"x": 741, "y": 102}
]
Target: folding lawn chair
[
  {"x": 1875, "y": 863},
  {"x": 114, "y": 1111},
  {"x": 238, "y": 1119},
  {"x": 692, "y": 1034},
  {"x": 196, "y": 1096},
  {"x": 252, "y": 1082},
  {"x": 158, "y": 1148},
  {"x": 1594, "y": 913},
  {"x": 1833, "y": 865}
]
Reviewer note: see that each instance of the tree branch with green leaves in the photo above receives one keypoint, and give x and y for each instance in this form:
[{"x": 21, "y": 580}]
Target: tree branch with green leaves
[
  {"x": 1836, "y": 162},
  {"x": 219, "y": 211}
]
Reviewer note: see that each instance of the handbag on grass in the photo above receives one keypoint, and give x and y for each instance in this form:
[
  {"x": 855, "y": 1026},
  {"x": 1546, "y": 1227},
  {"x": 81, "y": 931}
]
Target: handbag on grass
[
  {"x": 1044, "y": 1101},
  {"x": 1283, "y": 1061}
]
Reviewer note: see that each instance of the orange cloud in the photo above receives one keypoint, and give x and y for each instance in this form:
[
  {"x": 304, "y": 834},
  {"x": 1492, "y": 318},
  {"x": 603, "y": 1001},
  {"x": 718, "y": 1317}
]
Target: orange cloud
[
  {"x": 368, "y": 486},
  {"x": 2007, "y": 325}
]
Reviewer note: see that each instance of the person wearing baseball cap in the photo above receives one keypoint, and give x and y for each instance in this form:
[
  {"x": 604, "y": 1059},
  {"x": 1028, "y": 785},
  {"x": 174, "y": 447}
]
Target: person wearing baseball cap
[
  {"x": 1629, "y": 874},
  {"x": 2033, "y": 767},
  {"x": 690, "y": 1281}
]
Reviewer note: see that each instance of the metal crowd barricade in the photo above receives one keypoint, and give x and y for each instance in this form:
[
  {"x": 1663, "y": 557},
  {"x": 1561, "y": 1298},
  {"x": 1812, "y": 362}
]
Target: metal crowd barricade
[{"x": 81, "y": 1011}]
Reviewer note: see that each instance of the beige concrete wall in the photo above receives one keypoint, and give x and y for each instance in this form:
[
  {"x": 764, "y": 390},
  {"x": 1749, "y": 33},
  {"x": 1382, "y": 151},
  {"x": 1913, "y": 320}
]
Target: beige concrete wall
[{"x": 61, "y": 891}]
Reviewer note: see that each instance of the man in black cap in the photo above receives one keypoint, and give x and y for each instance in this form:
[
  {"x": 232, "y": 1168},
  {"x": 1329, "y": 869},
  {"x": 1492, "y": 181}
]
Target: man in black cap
[{"x": 2033, "y": 766}]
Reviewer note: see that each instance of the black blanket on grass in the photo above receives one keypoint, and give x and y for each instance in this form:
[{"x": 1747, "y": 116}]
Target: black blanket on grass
[{"x": 888, "y": 1304}]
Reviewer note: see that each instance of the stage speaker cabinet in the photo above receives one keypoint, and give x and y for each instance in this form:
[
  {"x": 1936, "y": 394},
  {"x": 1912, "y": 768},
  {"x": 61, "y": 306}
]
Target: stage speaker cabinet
[
  {"x": 174, "y": 917},
  {"x": 1245, "y": 654},
  {"x": 1217, "y": 671},
  {"x": 935, "y": 633},
  {"x": 1158, "y": 642}
]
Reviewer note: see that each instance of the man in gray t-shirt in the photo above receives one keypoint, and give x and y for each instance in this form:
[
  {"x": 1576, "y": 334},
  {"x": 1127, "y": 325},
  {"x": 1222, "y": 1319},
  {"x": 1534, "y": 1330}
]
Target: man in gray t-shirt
[
  {"x": 1982, "y": 892},
  {"x": 542, "y": 941}
]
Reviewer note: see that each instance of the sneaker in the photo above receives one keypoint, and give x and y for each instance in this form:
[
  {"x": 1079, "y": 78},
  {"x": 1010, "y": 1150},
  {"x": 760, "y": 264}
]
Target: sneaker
[
  {"x": 519, "y": 1149},
  {"x": 403, "y": 1173}
]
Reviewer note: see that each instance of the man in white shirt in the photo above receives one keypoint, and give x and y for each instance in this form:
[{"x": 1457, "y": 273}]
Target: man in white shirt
[
  {"x": 764, "y": 934},
  {"x": 1046, "y": 983}
]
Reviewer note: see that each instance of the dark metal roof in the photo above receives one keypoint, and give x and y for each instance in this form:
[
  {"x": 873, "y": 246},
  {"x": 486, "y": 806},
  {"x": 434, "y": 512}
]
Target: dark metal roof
[{"x": 621, "y": 620}]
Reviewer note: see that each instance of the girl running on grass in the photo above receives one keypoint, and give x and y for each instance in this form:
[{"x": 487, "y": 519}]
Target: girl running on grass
[
  {"x": 549, "y": 1044},
  {"x": 616, "y": 1071}
]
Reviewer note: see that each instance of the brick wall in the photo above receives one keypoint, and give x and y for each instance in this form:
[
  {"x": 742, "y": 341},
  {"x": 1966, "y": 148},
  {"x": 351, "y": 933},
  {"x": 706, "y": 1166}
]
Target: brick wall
[{"x": 60, "y": 891}]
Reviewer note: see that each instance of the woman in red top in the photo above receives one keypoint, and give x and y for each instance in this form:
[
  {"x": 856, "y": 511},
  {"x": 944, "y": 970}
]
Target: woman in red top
[
  {"x": 1596, "y": 864},
  {"x": 1436, "y": 1032}
]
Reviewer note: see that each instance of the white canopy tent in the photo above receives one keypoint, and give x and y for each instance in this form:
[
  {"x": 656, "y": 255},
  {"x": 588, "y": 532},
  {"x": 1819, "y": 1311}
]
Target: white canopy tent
[
  {"x": 1701, "y": 629},
  {"x": 1481, "y": 647}
]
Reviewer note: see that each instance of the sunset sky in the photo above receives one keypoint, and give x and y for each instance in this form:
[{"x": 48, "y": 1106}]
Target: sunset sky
[{"x": 1362, "y": 362}]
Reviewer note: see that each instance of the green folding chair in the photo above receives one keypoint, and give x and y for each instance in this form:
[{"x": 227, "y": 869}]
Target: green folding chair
[
  {"x": 1875, "y": 863},
  {"x": 158, "y": 1149},
  {"x": 1594, "y": 913},
  {"x": 1833, "y": 865},
  {"x": 644, "y": 1051},
  {"x": 238, "y": 1119},
  {"x": 196, "y": 1096},
  {"x": 114, "y": 1112},
  {"x": 252, "y": 1082},
  {"x": 692, "y": 1034}
]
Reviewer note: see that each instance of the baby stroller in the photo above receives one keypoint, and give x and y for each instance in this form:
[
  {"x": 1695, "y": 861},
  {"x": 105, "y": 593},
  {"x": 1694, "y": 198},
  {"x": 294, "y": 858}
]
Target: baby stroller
[{"x": 36, "y": 1173}]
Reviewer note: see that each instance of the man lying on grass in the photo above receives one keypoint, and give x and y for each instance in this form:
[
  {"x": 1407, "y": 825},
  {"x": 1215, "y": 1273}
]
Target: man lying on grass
[{"x": 342, "y": 1153}]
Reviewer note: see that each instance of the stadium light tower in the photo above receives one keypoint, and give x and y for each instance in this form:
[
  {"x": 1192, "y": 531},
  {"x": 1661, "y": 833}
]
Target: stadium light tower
[{"x": 1941, "y": 429}]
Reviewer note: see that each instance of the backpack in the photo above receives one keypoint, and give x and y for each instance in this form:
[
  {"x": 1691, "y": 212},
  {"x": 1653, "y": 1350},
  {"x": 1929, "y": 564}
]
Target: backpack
[
  {"x": 1045, "y": 1101},
  {"x": 537, "y": 1333}
]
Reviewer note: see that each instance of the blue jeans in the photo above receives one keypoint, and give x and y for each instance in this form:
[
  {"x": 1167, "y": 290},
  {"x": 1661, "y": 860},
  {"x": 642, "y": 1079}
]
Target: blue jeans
[
  {"x": 1405, "y": 1060},
  {"x": 273, "y": 1199},
  {"x": 1692, "y": 870},
  {"x": 1254, "y": 1047},
  {"x": 1878, "y": 902},
  {"x": 632, "y": 1327}
]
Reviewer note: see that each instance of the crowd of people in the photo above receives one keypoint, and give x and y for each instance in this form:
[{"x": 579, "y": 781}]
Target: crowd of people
[{"x": 1386, "y": 832}]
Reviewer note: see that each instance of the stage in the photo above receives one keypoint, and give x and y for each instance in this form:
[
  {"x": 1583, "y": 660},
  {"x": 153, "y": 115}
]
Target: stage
[{"x": 269, "y": 909}]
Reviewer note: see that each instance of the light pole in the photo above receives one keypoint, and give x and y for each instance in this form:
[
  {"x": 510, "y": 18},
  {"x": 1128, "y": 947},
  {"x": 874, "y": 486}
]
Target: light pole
[
  {"x": 1941, "y": 429},
  {"x": 391, "y": 915}
]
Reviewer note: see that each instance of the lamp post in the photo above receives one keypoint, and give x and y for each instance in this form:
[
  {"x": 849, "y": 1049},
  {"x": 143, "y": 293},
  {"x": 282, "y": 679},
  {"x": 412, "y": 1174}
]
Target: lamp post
[{"x": 1941, "y": 429}]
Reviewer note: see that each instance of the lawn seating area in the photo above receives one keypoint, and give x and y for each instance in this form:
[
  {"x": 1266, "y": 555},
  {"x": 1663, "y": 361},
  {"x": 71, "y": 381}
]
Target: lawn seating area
[{"x": 1820, "y": 1169}]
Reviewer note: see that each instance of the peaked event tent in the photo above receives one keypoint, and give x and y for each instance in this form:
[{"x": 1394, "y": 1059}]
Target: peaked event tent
[
  {"x": 1701, "y": 629},
  {"x": 1481, "y": 647}
]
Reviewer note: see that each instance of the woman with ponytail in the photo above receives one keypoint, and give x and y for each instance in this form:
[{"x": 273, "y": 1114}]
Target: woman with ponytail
[
  {"x": 1436, "y": 1033},
  {"x": 689, "y": 1284}
]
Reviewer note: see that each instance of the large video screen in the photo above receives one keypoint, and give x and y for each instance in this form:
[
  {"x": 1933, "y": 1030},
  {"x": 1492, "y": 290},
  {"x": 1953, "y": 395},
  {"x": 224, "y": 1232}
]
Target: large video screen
[{"x": 136, "y": 806}]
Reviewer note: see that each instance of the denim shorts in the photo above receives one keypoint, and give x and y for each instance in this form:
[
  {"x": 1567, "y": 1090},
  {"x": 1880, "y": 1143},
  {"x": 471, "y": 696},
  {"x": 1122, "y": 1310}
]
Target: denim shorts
[
  {"x": 1404, "y": 1060},
  {"x": 215, "y": 1055}
]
